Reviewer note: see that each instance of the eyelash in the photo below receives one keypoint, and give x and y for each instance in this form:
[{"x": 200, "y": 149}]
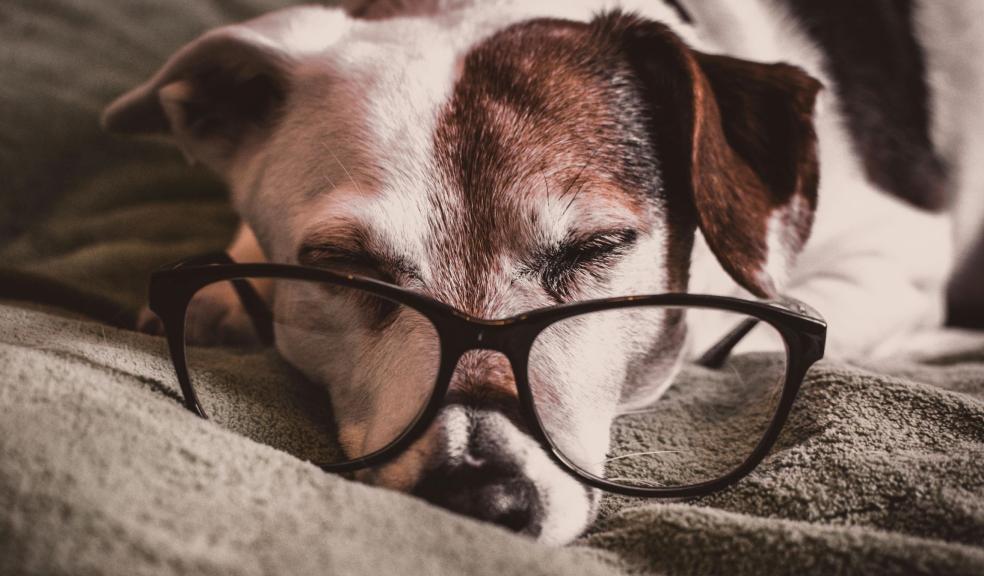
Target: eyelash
[
  {"x": 561, "y": 265},
  {"x": 380, "y": 311},
  {"x": 359, "y": 262}
]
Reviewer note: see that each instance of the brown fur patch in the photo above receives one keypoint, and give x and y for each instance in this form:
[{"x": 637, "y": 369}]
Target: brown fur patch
[
  {"x": 486, "y": 379},
  {"x": 543, "y": 106}
]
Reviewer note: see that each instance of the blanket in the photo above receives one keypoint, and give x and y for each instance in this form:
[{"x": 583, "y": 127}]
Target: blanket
[{"x": 103, "y": 471}]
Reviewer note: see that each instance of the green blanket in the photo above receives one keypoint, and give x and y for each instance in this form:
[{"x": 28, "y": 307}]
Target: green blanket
[{"x": 879, "y": 470}]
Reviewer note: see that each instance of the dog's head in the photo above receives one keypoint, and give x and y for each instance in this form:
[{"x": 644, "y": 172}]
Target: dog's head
[{"x": 498, "y": 167}]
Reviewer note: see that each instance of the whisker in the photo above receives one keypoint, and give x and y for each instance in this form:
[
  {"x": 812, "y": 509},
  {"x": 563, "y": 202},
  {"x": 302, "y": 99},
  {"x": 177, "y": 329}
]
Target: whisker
[
  {"x": 576, "y": 178},
  {"x": 546, "y": 185},
  {"x": 649, "y": 410},
  {"x": 636, "y": 481},
  {"x": 323, "y": 170},
  {"x": 614, "y": 458},
  {"x": 573, "y": 198},
  {"x": 347, "y": 173}
]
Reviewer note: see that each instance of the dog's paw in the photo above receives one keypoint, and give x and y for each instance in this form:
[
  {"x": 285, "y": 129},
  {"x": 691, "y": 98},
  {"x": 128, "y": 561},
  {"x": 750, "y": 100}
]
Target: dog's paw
[{"x": 214, "y": 317}]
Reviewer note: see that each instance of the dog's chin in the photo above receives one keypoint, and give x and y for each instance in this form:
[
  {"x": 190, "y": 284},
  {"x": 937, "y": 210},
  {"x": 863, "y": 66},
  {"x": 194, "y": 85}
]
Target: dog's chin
[
  {"x": 567, "y": 506},
  {"x": 520, "y": 489}
]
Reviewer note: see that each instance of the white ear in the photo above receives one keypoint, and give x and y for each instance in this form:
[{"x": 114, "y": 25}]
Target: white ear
[{"x": 227, "y": 87}]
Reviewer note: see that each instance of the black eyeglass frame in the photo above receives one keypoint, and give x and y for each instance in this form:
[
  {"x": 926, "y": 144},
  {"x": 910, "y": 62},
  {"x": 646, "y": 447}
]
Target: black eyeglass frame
[{"x": 172, "y": 288}]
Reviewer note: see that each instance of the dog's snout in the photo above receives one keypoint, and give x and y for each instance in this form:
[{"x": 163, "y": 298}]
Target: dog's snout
[
  {"x": 485, "y": 489},
  {"x": 480, "y": 472}
]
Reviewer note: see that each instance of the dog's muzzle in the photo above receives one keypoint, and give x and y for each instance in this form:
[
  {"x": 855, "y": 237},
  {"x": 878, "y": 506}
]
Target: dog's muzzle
[{"x": 480, "y": 471}]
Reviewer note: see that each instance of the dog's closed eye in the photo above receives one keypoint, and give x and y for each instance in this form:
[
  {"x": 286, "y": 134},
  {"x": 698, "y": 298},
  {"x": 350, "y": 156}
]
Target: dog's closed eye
[
  {"x": 359, "y": 261},
  {"x": 348, "y": 262},
  {"x": 350, "y": 251},
  {"x": 563, "y": 265}
]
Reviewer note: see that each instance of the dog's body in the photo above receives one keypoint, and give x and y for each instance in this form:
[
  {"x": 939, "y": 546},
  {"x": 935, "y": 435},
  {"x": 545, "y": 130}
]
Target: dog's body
[{"x": 454, "y": 138}]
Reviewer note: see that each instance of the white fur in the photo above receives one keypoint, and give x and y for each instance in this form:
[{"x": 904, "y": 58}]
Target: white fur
[{"x": 564, "y": 499}]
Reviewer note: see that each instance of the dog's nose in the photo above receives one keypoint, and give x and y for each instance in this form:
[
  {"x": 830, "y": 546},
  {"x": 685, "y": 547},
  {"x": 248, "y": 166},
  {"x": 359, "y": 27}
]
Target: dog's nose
[
  {"x": 479, "y": 471},
  {"x": 486, "y": 489}
]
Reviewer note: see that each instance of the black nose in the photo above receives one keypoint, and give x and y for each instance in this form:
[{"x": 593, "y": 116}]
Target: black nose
[{"x": 486, "y": 489}]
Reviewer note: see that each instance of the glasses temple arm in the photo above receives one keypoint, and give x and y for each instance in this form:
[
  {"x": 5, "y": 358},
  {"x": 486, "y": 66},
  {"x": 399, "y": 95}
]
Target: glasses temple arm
[
  {"x": 257, "y": 309},
  {"x": 715, "y": 356}
]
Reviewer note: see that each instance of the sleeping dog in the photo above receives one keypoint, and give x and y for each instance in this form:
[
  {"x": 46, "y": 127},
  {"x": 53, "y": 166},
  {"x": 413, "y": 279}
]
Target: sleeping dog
[{"x": 506, "y": 155}]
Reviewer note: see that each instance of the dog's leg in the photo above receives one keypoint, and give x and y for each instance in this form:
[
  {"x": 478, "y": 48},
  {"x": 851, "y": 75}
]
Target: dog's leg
[{"x": 216, "y": 315}]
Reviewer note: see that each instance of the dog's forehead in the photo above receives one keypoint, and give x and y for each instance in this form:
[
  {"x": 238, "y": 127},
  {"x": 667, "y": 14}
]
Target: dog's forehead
[
  {"x": 544, "y": 107},
  {"x": 535, "y": 106},
  {"x": 471, "y": 146}
]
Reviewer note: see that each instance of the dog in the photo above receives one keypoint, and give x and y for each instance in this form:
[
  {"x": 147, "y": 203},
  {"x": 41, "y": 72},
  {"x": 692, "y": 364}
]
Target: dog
[{"x": 505, "y": 155}]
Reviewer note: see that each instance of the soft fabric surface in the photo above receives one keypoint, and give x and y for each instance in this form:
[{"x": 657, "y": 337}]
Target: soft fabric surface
[
  {"x": 879, "y": 470},
  {"x": 102, "y": 469}
]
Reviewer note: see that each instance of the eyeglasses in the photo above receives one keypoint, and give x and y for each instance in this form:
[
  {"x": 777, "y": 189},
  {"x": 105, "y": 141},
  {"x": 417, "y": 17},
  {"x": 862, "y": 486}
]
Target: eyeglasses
[{"x": 370, "y": 364}]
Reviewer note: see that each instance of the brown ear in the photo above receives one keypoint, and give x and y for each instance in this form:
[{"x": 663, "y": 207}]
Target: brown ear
[{"x": 737, "y": 137}]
